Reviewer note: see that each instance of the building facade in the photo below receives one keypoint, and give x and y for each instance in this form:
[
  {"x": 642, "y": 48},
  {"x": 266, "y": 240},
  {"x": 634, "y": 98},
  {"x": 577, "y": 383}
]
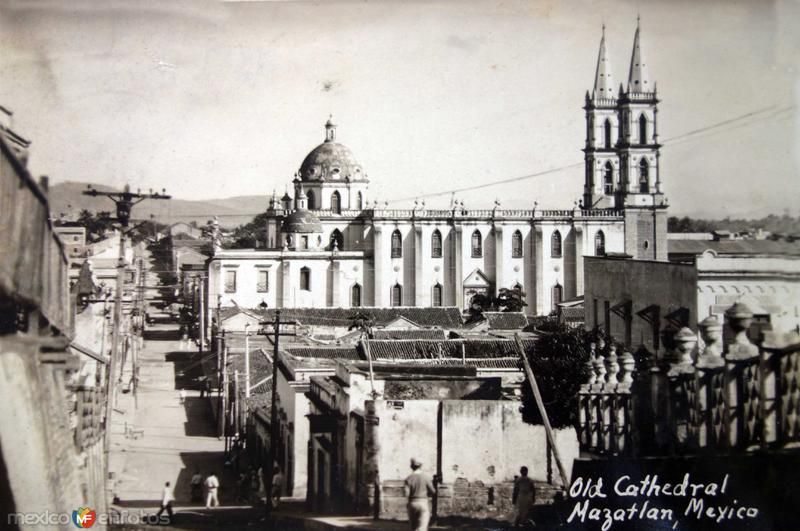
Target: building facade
[{"x": 329, "y": 245}]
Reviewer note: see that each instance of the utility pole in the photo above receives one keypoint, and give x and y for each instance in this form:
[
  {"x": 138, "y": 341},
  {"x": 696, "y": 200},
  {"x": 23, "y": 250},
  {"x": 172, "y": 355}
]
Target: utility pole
[
  {"x": 202, "y": 331},
  {"x": 246, "y": 360},
  {"x": 273, "y": 422},
  {"x": 124, "y": 201},
  {"x": 273, "y": 416}
]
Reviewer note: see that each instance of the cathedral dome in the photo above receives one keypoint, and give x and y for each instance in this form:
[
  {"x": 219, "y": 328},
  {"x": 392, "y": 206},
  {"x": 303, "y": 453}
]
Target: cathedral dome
[
  {"x": 330, "y": 161},
  {"x": 302, "y": 221}
]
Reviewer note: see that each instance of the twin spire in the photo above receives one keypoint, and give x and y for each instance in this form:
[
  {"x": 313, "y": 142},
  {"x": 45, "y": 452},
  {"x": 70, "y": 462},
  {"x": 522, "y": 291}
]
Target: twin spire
[
  {"x": 603, "y": 82},
  {"x": 638, "y": 75}
]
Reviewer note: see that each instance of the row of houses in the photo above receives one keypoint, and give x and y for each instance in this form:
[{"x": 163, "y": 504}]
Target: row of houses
[{"x": 353, "y": 408}]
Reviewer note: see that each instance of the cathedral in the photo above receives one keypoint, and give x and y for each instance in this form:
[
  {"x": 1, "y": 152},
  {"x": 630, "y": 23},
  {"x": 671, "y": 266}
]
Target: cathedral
[{"x": 328, "y": 245}]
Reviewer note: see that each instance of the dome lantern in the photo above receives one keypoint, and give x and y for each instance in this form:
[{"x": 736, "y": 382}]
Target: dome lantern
[{"x": 330, "y": 130}]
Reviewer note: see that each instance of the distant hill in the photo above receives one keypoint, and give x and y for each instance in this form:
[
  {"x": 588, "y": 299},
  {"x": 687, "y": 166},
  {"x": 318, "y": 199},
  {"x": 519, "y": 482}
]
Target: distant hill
[{"x": 67, "y": 198}]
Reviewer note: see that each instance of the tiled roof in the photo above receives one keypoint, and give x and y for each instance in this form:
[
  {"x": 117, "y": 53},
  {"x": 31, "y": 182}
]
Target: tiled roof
[
  {"x": 260, "y": 366},
  {"x": 572, "y": 314},
  {"x": 479, "y": 363},
  {"x": 506, "y": 320},
  {"x": 394, "y": 350},
  {"x": 443, "y": 317},
  {"x": 733, "y": 247},
  {"x": 328, "y": 353},
  {"x": 260, "y": 398},
  {"x": 422, "y": 333}
]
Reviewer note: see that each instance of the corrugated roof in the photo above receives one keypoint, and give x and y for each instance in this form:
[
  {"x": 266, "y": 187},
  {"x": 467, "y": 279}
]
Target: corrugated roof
[
  {"x": 734, "y": 247},
  {"x": 506, "y": 320}
]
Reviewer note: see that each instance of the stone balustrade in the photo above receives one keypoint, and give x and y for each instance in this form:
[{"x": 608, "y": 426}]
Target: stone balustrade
[
  {"x": 460, "y": 212},
  {"x": 694, "y": 400}
]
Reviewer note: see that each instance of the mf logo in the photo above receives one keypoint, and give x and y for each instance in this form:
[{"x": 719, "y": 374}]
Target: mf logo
[{"x": 83, "y": 517}]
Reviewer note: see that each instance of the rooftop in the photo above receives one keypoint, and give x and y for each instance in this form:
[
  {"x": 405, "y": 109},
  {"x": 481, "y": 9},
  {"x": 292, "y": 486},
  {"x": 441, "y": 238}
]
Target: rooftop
[
  {"x": 324, "y": 353},
  {"x": 443, "y": 317},
  {"x": 422, "y": 333},
  {"x": 480, "y": 353},
  {"x": 506, "y": 320}
]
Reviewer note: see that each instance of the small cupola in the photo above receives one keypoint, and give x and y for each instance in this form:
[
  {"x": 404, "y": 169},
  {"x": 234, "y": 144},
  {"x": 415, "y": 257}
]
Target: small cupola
[{"x": 330, "y": 130}]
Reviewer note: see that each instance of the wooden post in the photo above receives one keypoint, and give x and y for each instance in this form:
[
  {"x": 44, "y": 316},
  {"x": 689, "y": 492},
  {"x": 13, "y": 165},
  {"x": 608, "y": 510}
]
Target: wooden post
[
  {"x": 540, "y": 405},
  {"x": 246, "y": 361},
  {"x": 115, "y": 338}
]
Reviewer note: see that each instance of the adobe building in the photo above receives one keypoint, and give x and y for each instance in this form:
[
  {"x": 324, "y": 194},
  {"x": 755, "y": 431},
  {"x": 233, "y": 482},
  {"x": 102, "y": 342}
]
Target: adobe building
[{"x": 368, "y": 422}]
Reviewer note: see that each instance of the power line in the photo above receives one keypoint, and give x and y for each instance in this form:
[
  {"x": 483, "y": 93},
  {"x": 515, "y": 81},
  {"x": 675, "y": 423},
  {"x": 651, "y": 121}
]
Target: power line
[
  {"x": 673, "y": 140},
  {"x": 722, "y": 126}
]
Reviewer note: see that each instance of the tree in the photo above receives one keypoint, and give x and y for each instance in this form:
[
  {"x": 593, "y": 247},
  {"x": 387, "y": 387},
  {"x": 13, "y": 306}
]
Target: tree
[
  {"x": 363, "y": 322},
  {"x": 96, "y": 224},
  {"x": 510, "y": 299},
  {"x": 558, "y": 361},
  {"x": 248, "y": 235},
  {"x": 507, "y": 300}
]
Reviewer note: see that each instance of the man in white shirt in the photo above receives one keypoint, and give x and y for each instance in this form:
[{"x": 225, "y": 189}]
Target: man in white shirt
[
  {"x": 212, "y": 484},
  {"x": 167, "y": 498}
]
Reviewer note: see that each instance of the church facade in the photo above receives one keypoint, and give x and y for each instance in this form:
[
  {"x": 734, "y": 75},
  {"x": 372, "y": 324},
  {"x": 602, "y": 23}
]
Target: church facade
[{"x": 329, "y": 245}]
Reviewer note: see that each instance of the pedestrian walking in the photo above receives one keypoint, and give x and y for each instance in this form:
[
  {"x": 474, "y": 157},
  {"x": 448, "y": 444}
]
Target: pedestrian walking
[
  {"x": 197, "y": 486},
  {"x": 243, "y": 487},
  {"x": 418, "y": 487},
  {"x": 523, "y": 496},
  {"x": 277, "y": 486},
  {"x": 166, "y": 501},
  {"x": 255, "y": 484},
  {"x": 212, "y": 485}
]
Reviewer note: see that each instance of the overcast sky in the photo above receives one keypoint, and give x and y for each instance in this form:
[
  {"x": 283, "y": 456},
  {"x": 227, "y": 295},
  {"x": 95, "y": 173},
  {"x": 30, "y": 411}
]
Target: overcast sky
[{"x": 213, "y": 100}]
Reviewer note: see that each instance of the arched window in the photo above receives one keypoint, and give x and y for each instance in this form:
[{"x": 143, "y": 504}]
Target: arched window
[
  {"x": 397, "y": 244},
  {"x": 359, "y": 201},
  {"x": 607, "y": 134},
  {"x": 305, "y": 279},
  {"x": 558, "y": 293},
  {"x": 311, "y": 201},
  {"x": 642, "y": 129},
  {"x": 337, "y": 240},
  {"x": 437, "y": 295},
  {"x": 355, "y": 295},
  {"x": 477, "y": 244},
  {"x": 516, "y": 244},
  {"x": 600, "y": 243},
  {"x": 397, "y": 295},
  {"x": 644, "y": 171},
  {"x": 555, "y": 245},
  {"x": 608, "y": 179},
  {"x": 436, "y": 244},
  {"x": 336, "y": 203}
]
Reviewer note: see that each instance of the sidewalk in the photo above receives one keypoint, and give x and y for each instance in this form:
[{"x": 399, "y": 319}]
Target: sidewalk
[{"x": 176, "y": 439}]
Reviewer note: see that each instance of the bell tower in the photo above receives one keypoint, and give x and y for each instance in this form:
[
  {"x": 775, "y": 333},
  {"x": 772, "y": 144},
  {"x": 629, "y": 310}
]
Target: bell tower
[
  {"x": 641, "y": 194},
  {"x": 602, "y": 164}
]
